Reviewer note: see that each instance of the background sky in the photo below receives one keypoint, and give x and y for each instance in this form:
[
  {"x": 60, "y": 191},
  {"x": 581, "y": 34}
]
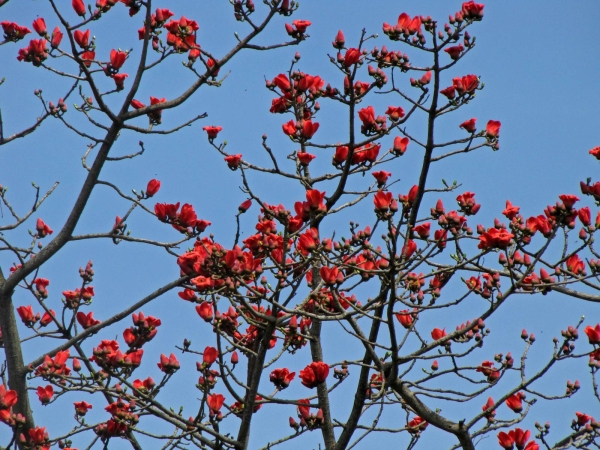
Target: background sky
[{"x": 539, "y": 63}]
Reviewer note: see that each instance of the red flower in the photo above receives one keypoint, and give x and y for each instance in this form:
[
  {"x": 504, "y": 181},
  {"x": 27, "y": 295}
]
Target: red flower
[
  {"x": 455, "y": 51},
  {"x": 39, "y": 25},
  {"x": 13, "y": 31},
  {"x": 289, "y": 128},
  {"x": 245, "y": 206},
  {"x": 86, "y": 320},
  {"x": 152, "y": 188},
  {"x": 301, "y": 25},
  {"x": 42, "y": 229},
  {"x": 315, "y": 199},
  {"x": 382, "y": 201},
  {"x": 79, "y": 7},
  {"x": 466, "y": 84},
  {"x": 27, "y": 316},
  {"x": 38, "y": 435},
  {"x": 205, "y": 310},
  {"x": 409, "y": 248},
  {"x": 47, "y": 318},
  {"x": 120, "y": 81},
  {"x": 212, "y": 131},
  {"x": 233, "y": 161},
  {"x": 341, "y": 154},
  {"x": 472, "y": 10},
  {"x": 487, "y": 409},
  {"x": 82, "y": 407},
  {"x": 405, "y": 318},
  {"x": 438, "y": 334},
  {"x": 416, "y": 425},
  {"x": 281, "y": 378},
  {"x": 339, "y": 41},
  {"x": 331, "y": 275},
  {"x": 309, "y": 129},
  {"x": 215, "y": 402},
  {"x": 506, "y": 440},
  {"x": 82, "y": 38},
  {"x": 593, "y": 334},
  {"x": 88, "y": 57},
  {"x": 45, "y": 394},
  {"x": 585, "y": 215},
  {"x": 56, "y": 38},
  {"x": 395, "y": 113},
  {"x": 305, "y": 158},
  {"x": 494, "y": 238},
  {"x": 469, "y": 125},
  {"x": 449, "y": 92},
  {"x": 314, "y": 374},
  {"x": 575, "y": 265},
  {"x": 595, "y": 152},
  {"x": 511, "y": 211},
  {"x": 515, "y": 403},
  {"x": 381, "y": 177},
  {"x": 352, "y": 56},
  {"x": 569, "y": 200},
  {"x": 400, "y": 145},
  {"x": 582, "y": 418},
  {"x": 492, "y": 129},
  {"x": 367, "y": 116},
  {"x": 209, "y": 356},
  {"x": 117, "y": 59},
  {"x": 168, "y": 365},
  {"x": 423, "y": 230}
]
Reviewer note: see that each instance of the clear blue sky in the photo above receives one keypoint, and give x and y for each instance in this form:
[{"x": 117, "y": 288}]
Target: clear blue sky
[{"x": 538, "y": 60}]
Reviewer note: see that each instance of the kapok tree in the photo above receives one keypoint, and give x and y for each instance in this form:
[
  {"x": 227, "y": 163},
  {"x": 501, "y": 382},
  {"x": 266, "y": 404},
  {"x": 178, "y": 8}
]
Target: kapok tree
[{"x": 268, "y": 305}]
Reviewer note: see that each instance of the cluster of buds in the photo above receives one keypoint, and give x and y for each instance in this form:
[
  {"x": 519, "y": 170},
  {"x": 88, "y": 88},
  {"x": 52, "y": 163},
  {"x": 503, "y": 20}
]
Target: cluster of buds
[
  {"x": 572, "y": 387},
  {"x": 379, "y": 76},
  {"x": 296, "y": 334},
  {"x": 307, "y": 420},
  {"x": 405, "y": 28},
  {"x": 297, "y": 29},
  {"x": 478, "y": 331},
  {"x": 467, "y": 204},
  {"x": 341, "y": 373},
  {"x": 144, "y": 330},
  {"x": 488, "y": 370},
  {"x": 390, "y": 58},
  {"x": 58, "y": 109},
  {"x": 87, "y": 274},
  {"x": 506, "y": 361},
  {"x": 242, "y": 9}
]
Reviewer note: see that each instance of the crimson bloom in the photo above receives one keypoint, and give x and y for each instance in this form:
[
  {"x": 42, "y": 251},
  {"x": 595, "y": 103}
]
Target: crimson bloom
[
  {"x": 45, "y": 394},
  {"x": 381, "y": 177},
  {"x": 494, "y": 238},
  {"x": 472, "y": 10},
  {"x": 117, "y": 59},
  {"x": 82, "y": 38},
  {"x": 405, "y": 318},
  {"x": 82, "y": 407},
  {"x": 352, "y": 57},
  {"x": 515, "y": 402},
  {"x": 416, "y": 425},
  {"x": 212, "y": 131},
  {"x": 233, "y": 161},
  {"x": 455, "y": 51},
  {"x": 79, "y": 7},
  {"x": 492, "y": 129},
  {"x": 331, "y": 275},
  {"x": 27, "y": 316},
  {"x": 395, "y": 113},
  {"x": 281, "y": 378},
  {"x": 168, "y": 364},
  {"x": 13, "y": 31},
  {"x": 469, "y": 125},
  {"x": 593, "y": 334},
  {"x": 39, "y": 25},
  {"x": 209, "y": 356},
  {"x": 438, "y": 333},
  {"x": 56, "y": 37},
  {"x": 314, "y": 374},
  {"x": 400, "y": 144},
  {"x": 152, "y": 188},
  {"x": 215, "y": 402},
  {"x": 119, "y": 79},
  {"x": 42, "y": 229},
  {"x": 205, "y": 310},
  {"x": 47, "y": 318}
]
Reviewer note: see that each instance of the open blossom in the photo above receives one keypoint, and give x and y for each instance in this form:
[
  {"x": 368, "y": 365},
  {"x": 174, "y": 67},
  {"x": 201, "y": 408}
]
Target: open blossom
[
  {"x": 515, "y": 402},
  {"x": 45, "y": 394},
  {"x": 352, "y": 57},
  {"x": 494, "y": 238},
  {"x": 492, "y": 129},
  {"x": 469, "y": 125},
  {"x": 438, "y": 333},
  {"x": 281, "y": 378},
  {"x": 42, "y": 229},
  {"x": 472, "y": 10},
  {"x": 593, "y": 334},
  {"x": 39, "y": 25},
  {"x": 212, "y": 131},
  {"x": 314, "y": 374}
]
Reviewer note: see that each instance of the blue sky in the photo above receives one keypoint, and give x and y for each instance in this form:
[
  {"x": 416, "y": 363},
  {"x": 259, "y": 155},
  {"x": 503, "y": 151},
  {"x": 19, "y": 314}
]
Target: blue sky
[{"x": 539, "y": 63}]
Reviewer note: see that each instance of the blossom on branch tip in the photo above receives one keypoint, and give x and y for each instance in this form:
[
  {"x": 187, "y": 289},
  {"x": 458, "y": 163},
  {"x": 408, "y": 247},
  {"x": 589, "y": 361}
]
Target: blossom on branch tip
[{"x": 212, "y": 131}]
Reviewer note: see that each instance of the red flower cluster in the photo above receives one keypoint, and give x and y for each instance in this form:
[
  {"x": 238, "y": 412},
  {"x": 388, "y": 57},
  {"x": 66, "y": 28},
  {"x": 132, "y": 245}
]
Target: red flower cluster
[{"x": 184, "y": 221}]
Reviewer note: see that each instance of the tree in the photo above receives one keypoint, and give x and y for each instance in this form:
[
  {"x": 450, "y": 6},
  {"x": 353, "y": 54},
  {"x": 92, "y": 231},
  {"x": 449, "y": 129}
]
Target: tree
[{"x": 298, "y": 279}]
